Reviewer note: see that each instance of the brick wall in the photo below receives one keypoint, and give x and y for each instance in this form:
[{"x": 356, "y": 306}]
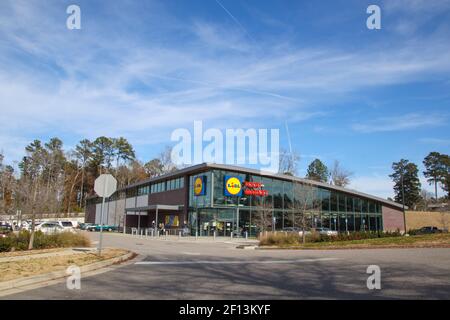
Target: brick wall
[{"x": 392, "y": 219}]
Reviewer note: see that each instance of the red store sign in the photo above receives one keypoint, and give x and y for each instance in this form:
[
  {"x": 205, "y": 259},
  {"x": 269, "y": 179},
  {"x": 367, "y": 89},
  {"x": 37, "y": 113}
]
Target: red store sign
[{"x": 254, "y": 189}]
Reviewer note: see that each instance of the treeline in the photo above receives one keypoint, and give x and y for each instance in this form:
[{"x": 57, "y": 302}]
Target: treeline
[
  {"x": 405, "y": 176},
  {"x": 52, "y": 180}
]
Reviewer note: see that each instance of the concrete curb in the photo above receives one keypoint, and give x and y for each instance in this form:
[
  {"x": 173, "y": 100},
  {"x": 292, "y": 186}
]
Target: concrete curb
[{"x": 47, "y": 277}]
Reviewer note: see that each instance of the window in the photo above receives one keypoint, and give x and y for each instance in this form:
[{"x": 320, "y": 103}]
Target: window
[
  {"x": 325, "y": 201},
  {"x": 341, "y": 203},
  {"x": 333, "y": 201},
  {"x": 349, "y": 204},
  {"x": 174, "y": 184},
  {"x": 142, "y": 190}
]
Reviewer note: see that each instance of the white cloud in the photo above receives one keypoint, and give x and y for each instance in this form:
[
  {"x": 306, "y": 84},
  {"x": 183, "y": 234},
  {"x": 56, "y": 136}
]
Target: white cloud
[
  {"x": 435, "y": 141},
  {"x": 103, "y": 81},
  {"x": 377, "y": 185},
  {"x": 402, "y": 122}
]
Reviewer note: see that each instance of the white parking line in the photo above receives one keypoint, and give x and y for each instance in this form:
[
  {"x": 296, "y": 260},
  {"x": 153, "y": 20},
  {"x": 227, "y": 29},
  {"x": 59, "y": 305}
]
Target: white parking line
[{"x": 234, "y": 261}]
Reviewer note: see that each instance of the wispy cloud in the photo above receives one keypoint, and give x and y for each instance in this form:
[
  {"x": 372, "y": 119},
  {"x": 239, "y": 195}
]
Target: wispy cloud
[
  {"x": 112, "y": 80},
  {"x": 402, "y": 122},
  {"x": 435, "y": 141}
]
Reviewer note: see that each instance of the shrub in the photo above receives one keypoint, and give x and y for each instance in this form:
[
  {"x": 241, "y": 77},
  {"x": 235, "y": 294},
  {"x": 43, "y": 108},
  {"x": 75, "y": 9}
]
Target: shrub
[
  {"x": 43, "y": 241},
  {"x": 293, "y": 238},
  {"x": 6, "y": 244},
  {"x": 280, "y": 239}
]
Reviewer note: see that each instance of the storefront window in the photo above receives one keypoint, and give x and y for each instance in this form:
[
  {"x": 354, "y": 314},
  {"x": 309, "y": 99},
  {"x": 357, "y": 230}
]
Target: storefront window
[
  {"x": 358, "y": 222},
  {"x": 325, "y": 200},
  {"x": 324, "y": 208},
  {"x": 341, "y": 202}
]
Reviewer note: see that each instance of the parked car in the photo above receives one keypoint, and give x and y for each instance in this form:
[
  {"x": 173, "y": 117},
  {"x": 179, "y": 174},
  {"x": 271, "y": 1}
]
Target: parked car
[
  {"x": 25, "y": 225},
  {"x": 49, "y": 227},
  {"x": 428, "y": 230},
  {"x": 83, "y": 226},
  {"x": 105, "y": 227},
  {"x": 297, "y": 230},
  {"x": 67, "y": 226},
  {"x": 6, "y": 226},
  {"x": 5, "y": 230},
  {"x": 326, "y": 231}
]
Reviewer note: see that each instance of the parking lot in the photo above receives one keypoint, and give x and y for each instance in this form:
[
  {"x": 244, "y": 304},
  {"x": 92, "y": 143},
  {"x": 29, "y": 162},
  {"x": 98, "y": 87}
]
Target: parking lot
[{"x": 208, "y": 269}]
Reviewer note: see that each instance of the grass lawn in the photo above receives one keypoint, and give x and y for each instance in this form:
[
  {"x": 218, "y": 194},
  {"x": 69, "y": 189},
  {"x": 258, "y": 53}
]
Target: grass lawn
[
  {"x": 34, "y": 266},
  {"x": 430, "y": 240}
]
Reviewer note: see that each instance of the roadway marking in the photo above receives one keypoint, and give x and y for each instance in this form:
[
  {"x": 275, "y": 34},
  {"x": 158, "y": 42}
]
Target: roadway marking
[{"x": 234, "y": 261}]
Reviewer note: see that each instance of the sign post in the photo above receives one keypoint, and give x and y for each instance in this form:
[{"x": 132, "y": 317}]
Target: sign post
[{"x": 105, "y": 185}]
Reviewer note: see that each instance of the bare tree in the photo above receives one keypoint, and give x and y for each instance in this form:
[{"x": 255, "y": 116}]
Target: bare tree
[
  {"x": 304, "y": 195},
  {"x": 288, "y": 162},
  {"x": 339, "y": 176},
  {"x": 264, "y": 215},
  {"x": 165, "y": 159}
]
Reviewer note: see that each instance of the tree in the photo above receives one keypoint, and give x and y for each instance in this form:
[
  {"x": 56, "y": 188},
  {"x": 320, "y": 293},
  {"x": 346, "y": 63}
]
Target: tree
[
  {"x": 446, "y": 175},
  {"x": 317, "y": 171},
  {"x": 33, "y": 169},
  {"x": 7, "y": 184},
  {"x": 103, "y": 153},
  {"x": 406, "y": 183},
  {"x": 165, "y": 158},
  {"x": 339, "y": 176},
  {"x": 154, "y": 168},
  {"x": 123, "y": 150},
  {"x": 83, "y": 152},
  {"x": 288, "y": 163},
  {"x": 425, "y": 199},
  {"x": 435, "y": 170}
]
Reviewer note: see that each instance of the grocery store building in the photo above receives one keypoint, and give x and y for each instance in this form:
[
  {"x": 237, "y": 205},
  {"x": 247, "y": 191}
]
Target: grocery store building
[{"x": 208, "y": 198}]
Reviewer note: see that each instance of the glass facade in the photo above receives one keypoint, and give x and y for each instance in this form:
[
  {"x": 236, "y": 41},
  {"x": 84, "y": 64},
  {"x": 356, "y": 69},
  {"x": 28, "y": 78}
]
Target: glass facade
[{"x": 281, "y": 209}]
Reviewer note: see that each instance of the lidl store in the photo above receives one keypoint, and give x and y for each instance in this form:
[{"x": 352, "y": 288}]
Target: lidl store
[{"x": 215, "y": 198}]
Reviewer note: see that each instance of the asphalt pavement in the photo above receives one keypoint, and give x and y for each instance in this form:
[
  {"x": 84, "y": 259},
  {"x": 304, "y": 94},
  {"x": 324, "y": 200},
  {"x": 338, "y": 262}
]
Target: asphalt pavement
[{"x": 207, "y": 269}]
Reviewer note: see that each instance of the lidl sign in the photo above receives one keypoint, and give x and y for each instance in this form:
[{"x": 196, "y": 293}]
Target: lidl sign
[
  {"x": 233, "y": 186},
  {"x": 200, "y": 186}
]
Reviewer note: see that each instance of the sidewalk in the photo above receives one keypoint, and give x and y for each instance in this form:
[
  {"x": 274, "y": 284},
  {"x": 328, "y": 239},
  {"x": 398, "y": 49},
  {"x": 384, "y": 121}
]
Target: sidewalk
[{"x": 189, "y": 238}]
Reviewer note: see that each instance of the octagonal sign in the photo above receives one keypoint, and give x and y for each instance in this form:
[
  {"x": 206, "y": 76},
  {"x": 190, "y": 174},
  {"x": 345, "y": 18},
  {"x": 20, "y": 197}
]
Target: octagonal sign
[{"x": 105, "y": 185}]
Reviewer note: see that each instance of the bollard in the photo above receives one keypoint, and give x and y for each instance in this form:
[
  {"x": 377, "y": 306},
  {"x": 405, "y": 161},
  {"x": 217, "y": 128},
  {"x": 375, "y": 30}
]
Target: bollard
[
  {"x": 179, "y": 234},
  {"x": 196, "y": 235},
  {"x": 246, "y": 235},
  {"x": 214, "y": 235},
  {"x": 166, "y": 234},
  {"x": 231, "y": 235}
]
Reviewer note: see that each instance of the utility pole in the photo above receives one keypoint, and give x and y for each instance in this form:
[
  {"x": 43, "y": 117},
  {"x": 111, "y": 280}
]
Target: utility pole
[{"x": 403, "y": 198}]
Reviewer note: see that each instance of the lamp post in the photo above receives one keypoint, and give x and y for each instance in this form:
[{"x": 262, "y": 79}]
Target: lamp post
[{"x": 403, "y": 199}]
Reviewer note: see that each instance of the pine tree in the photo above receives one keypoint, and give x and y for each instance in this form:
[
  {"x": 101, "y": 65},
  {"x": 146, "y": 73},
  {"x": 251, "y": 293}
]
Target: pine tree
[
  {"x": 435, "y": 170},
  {"x": 406, "y": 175},
  {"x": 317, "y": 171}
]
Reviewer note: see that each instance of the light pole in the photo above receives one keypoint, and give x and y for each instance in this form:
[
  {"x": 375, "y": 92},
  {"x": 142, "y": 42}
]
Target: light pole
[{"x": 403, "y": 199}]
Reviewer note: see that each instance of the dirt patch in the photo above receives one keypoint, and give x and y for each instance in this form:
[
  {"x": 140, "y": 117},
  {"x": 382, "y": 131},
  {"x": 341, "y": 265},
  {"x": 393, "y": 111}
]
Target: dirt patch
[
  {"x": 29, "y": 252},
  {"x": 30, "y": 267}
]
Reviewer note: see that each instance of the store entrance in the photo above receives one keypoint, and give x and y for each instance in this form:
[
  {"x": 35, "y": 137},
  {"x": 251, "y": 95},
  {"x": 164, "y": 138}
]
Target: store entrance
[{"x": 224, "y": 228}]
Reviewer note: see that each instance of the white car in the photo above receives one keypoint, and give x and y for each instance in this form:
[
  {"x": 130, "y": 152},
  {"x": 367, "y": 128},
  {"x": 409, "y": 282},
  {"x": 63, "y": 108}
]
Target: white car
[
  {"x": 49, "y": 228},
  {"x": 67, "y": 225},
  {"x": 327, "y": 231}
]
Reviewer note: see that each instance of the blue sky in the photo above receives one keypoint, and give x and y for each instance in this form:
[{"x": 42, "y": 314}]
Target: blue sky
[{"x": 141, "y": 69}]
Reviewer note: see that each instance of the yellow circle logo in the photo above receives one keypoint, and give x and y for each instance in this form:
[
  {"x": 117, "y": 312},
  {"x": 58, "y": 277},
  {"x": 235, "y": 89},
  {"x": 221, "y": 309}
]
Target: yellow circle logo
[
  {"x": 198, "y": 186},
  {"x": 233, "y": 185}
]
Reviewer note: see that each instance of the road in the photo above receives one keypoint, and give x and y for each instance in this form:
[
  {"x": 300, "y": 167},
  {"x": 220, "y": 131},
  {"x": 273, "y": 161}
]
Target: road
[{"x": 173, "y": 269}]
